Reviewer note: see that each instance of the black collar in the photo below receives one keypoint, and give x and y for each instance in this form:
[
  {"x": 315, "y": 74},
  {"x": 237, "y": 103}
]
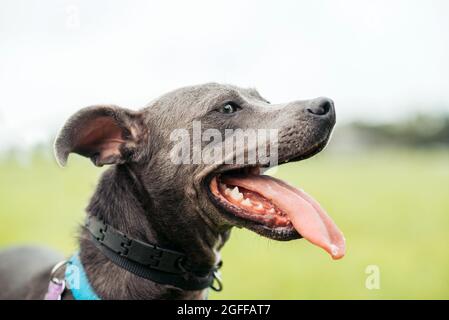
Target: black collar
[{"x": 150, "y": 261}]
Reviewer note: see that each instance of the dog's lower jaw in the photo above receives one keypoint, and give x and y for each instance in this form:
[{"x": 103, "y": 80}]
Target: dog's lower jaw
[{"x": 117, "y": 202}]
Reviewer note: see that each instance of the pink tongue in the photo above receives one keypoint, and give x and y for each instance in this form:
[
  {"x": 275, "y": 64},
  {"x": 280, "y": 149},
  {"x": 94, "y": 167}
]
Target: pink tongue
[{"x": 307, "y": 216}]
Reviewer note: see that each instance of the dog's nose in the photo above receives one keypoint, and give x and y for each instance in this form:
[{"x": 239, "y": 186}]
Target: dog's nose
[{"x": 321, "y": 106}]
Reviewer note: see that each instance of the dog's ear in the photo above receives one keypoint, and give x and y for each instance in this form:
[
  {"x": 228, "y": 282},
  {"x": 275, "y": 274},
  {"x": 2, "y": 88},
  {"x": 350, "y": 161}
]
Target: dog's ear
[{"x": 105, "y": 134}]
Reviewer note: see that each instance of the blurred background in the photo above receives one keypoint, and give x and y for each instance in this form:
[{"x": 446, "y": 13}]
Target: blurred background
[{"x": 384, "y": 177}]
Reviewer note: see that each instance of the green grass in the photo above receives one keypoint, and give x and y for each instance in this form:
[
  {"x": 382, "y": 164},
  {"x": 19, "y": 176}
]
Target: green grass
[{"x": 392, "y": 206}]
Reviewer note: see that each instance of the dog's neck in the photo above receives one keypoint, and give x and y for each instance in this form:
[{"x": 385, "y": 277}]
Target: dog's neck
[{"x": 121, "y": 205}]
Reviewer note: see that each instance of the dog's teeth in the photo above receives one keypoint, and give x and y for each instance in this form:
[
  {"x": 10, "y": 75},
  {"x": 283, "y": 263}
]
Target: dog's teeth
[
  {"x": 236, "y": 195},
  {"x": 247, "y": 202},
  {"x": 259, "y": 206},
  {"x": 271, "y": 211}
]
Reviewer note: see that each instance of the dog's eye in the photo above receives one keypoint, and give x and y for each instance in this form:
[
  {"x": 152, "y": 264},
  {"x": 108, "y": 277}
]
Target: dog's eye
[{"x": 229, "y": 107}]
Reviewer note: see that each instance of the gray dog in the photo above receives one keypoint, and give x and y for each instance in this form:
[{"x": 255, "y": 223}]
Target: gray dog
[{"x": 154, "y": 227}]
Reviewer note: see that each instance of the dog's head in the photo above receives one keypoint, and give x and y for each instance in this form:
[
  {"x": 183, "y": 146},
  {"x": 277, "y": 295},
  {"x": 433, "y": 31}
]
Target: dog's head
[{"x": 194, "y": 152}]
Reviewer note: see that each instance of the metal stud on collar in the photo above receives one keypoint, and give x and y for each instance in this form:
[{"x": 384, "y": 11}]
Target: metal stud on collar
[
  {"x": 56, "y": 286},
  {"x": 218, "y": 281},
  {"x": 217, "y": 278},
  {"x": 55, "y": 269}
]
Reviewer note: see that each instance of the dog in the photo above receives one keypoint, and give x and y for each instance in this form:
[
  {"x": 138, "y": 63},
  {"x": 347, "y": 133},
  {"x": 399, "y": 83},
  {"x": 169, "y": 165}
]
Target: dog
[{"x": 187, "y": 208}]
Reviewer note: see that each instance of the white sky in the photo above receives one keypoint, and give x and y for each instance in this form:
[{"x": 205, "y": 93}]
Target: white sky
[{"x": 376, "y": 59}]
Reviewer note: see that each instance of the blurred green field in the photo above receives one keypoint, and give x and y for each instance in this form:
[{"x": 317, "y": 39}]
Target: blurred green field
[{"x": 393, "y": 207}]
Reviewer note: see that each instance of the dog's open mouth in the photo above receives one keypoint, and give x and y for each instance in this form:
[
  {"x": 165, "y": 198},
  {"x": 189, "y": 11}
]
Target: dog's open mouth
[{"x": 275, "y": 209}]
